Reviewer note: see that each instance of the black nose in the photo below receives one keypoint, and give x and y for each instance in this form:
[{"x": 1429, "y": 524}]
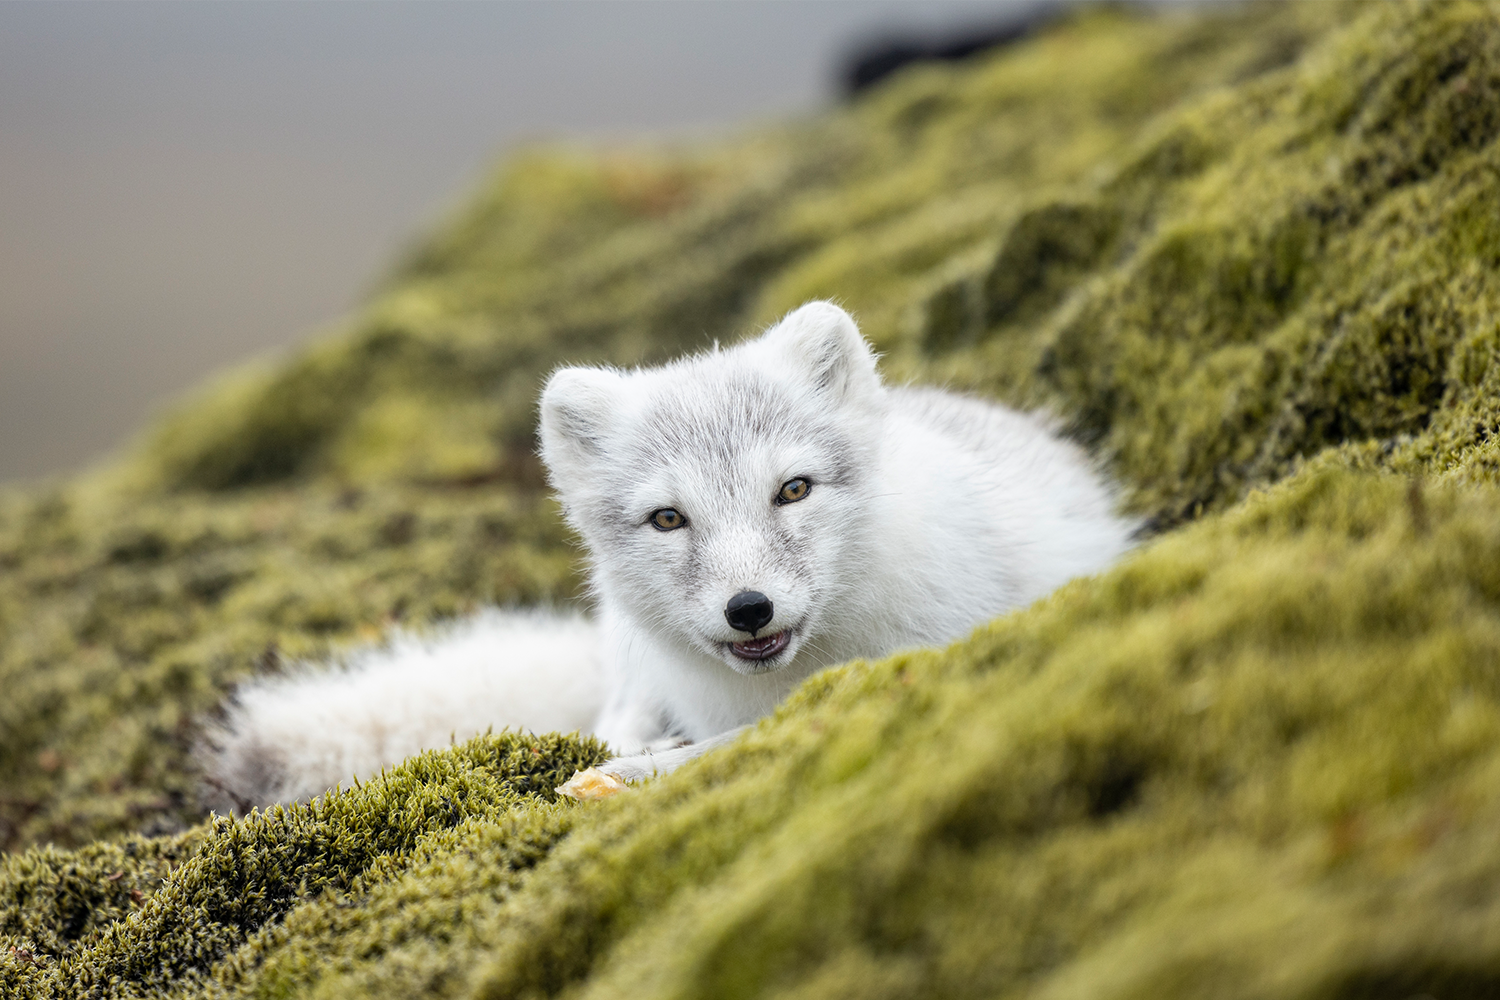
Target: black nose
[{"x": 749, "y": 611}]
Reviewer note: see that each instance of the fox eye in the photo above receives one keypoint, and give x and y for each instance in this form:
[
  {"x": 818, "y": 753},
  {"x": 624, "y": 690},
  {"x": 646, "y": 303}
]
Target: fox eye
[
  {"x": 793, "y": 490},
  {"x": 667, "y": 519}
]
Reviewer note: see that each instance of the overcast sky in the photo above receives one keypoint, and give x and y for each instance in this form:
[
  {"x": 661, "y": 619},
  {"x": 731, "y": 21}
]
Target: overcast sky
[{"x": 186, "y": 185}]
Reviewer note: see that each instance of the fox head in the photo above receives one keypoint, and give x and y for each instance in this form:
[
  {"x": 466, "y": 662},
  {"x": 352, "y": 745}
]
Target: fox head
[{"x": 721, "y": 496}]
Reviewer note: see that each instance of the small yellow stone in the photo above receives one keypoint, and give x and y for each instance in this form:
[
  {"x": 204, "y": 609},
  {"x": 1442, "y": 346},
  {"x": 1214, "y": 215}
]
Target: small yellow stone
[{"x": 591, "y": 784}]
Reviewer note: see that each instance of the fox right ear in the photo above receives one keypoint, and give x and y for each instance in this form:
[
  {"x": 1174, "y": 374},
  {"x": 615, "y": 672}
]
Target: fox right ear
[
  {"x": 822, "y": 342},
  {"x": 578, "y": 406}
]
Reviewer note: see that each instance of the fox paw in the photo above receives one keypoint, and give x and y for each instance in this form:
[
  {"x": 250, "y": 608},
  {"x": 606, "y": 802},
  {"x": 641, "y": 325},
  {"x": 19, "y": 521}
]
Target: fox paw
[
  {"x": 636, "y": 768},
  {"x": 663, "y": 761}
]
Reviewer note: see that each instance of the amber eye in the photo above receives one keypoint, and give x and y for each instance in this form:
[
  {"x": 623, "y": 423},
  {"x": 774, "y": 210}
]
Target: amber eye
[
  {"x": 667, "y": 519},
  {"x": 793, "y": 490}
]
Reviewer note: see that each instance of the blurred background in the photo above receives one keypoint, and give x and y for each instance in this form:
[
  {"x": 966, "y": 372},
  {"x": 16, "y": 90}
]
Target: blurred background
[{"x": 187, "y": 185}]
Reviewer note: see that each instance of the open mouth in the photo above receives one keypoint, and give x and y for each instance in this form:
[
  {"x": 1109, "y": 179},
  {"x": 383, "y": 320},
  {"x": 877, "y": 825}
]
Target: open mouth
[{"x": 763, "y": 648}]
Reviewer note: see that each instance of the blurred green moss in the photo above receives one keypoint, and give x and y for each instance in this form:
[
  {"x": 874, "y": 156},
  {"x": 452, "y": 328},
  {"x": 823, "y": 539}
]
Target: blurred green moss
[{"x": 1250, "y": 256}]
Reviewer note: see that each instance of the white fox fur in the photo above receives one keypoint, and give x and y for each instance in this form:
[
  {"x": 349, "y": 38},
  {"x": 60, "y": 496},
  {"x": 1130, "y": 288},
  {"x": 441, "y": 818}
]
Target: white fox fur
[
  {"x": 921, "y": 514},
  {"x": 289, "y": 737}
]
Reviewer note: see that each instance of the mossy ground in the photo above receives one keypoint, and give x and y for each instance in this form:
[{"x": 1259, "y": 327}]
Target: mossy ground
[{"x": 1251, "y": 257}]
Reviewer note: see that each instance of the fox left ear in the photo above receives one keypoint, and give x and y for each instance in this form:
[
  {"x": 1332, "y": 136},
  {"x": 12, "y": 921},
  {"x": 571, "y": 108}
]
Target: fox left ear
[
  {"x": 822, "y": 341},
  {"x": 578, "y": 407}
]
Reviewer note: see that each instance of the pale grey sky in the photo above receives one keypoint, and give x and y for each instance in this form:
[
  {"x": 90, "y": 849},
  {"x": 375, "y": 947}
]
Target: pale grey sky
[{"x": 185, "y": 185}]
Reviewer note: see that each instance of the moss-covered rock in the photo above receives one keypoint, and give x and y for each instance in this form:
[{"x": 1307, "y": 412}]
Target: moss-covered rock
[
  {"x": 1252, "y": 257},
  {"x": 71, "y": 933}
]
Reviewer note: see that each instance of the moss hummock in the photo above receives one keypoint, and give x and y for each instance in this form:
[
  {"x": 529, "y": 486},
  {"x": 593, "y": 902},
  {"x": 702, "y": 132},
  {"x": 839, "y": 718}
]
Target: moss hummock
[
  {"x": 80, "y": 923},
  {"x": 1250, "y": 257}
]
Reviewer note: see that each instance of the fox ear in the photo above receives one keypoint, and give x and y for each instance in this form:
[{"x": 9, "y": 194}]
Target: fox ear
[
  {"x": 578, "y": 407},
  {"x": 821, "y": 341}
]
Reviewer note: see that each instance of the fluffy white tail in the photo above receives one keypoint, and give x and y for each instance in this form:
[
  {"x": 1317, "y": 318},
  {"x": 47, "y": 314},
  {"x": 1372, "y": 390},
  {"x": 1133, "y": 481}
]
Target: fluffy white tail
[{"x": 292, "y": 737}]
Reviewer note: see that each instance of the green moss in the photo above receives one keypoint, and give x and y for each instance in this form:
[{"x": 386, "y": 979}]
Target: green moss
[
  {"x": 243, "y": 876},
  {"x": 1251, "y": 257}
]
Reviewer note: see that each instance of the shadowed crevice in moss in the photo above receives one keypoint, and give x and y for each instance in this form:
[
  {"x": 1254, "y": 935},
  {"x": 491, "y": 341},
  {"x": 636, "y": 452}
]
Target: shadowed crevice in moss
[{"x": 1417, "y": 975}]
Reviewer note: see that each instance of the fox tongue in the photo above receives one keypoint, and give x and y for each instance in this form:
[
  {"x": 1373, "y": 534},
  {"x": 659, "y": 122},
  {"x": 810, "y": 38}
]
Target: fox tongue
[{"x": 760, "y": 649}]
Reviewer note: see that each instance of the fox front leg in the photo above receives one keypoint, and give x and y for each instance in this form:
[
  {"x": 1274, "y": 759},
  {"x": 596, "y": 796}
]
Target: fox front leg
[{"x": 653, "y": 762}]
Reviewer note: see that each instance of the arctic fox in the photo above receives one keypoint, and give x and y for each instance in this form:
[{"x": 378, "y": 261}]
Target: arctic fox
[{"x": 752, "y": 515}]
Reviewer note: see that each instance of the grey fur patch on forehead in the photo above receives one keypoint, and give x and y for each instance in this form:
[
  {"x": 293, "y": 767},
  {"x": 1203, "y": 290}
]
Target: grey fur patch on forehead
[{"x": 711, "y": 417}]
